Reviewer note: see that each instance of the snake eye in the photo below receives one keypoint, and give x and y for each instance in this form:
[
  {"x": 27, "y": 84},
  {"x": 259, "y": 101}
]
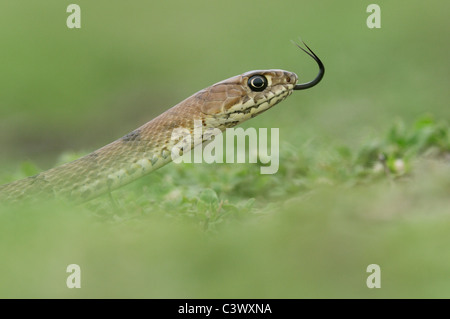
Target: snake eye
[{"x": 257, "y": 83}]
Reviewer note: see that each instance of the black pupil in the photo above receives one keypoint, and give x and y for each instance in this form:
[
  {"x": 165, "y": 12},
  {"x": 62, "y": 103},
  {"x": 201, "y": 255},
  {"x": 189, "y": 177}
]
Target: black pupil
[{"x": 257, "y": 83}]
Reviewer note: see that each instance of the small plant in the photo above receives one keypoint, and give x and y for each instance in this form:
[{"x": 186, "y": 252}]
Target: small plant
[{"x": 394, "y": 153}]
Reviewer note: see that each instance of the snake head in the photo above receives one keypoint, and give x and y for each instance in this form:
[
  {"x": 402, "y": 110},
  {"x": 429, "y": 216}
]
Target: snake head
[{"x": 244, "y": 96}]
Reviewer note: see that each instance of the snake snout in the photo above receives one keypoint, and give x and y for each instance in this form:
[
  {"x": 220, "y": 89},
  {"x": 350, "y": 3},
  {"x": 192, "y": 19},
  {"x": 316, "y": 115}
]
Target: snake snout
[{"x": 290, "y": 77}]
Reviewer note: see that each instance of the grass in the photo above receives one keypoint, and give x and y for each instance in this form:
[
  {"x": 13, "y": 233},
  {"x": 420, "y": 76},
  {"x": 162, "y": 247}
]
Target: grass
[
  {"x": 363, "y": 177},
  {"x": 224, "y": 230},
  {"x": 211, "y": 195}
]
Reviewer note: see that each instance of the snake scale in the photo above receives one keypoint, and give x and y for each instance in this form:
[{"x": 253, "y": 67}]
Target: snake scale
[{"x": 222, "y": 105}]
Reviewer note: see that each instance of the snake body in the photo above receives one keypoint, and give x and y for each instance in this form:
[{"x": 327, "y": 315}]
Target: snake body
[{"x": 222, "y": 105}]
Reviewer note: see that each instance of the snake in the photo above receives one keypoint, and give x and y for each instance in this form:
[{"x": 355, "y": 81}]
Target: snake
[{"x": 220, "y": 106}]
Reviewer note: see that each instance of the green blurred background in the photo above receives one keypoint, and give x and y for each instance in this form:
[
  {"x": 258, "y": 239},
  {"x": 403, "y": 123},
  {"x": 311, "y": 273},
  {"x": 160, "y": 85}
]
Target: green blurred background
[{"x": 78, "y": 89}]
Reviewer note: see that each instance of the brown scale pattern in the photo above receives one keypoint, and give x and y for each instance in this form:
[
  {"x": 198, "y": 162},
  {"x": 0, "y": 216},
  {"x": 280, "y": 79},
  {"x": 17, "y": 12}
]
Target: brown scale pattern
[{"x": 147, "y": 148}]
